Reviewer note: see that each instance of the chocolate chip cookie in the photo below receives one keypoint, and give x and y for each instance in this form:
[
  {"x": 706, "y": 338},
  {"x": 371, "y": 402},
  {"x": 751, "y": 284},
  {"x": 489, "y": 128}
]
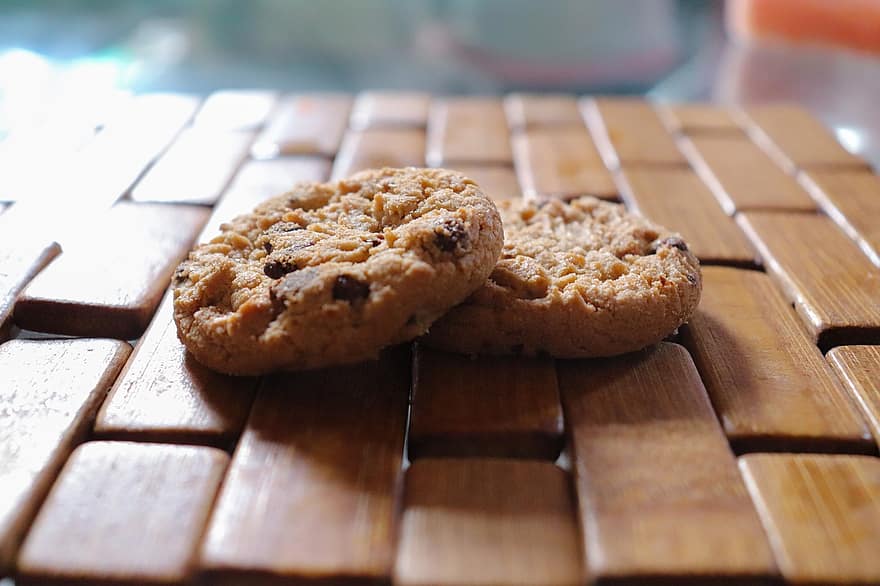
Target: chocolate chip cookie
[
  {"x": 578, "y": 279},
  {"x": 331, "y": 273}
]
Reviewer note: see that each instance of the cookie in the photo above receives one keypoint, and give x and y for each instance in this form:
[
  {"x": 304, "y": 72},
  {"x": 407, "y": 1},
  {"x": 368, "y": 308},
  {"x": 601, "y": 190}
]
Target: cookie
[
  {"x": 331, "y": 273},
  {"x": 575, "y": 280}
]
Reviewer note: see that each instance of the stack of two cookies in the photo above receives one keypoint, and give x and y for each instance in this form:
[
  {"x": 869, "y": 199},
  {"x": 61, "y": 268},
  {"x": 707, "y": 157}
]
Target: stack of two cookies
[{"x": 332, "y": 273}]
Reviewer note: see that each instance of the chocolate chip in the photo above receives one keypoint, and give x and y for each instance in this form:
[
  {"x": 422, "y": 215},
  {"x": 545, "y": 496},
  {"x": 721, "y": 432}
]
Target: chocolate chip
[
  {"x": 267, "y": 246},
  {"x": 692, "y": 279},
  {"x": 275, "y": 269},
  {"x": 375, "y": 242},
  {"x": 278, "y": 304},
  {"x": 450, "y": 234},
  {"x": 180, "y": 276},
  {"x": 292, "y": 283},
  {"x": 671, "y": 242},
  {"x": 350, "y": 289}
]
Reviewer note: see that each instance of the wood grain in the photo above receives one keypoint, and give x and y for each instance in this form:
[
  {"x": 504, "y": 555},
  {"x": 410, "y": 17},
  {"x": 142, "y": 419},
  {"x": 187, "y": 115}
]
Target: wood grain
[
  {"x": 536, "y": 110},
  {"x": 770, "y": 386},
  {"x": 628, "y": 131},
  {"x": 561, "y": 162},
  {"x": 109, "y": 282},
  {"x": 676, "y": 198},
  {"x": 21, "y": 259},
  {"x": 859, "y": 369},
  {"x": 136, "y": 513},
  {"x": 50, "y": 391},
  {"x": 499, "y": 183},
  {"x": 468, "y": 130},
  {"x": 795, "y": 138},
  {"x": 164, "y": 395},
  {"x": 379, "y": 147},
  {"x": 196, "y": 168},
  {"x": 505, "y": 407},
  {"x": 311, "y": 491},
  {"x": 693, "y": 118},
  {"x": 852, "y": 199},
  {"x": 742, "y": 177},
  {"x": 833, "y": 286},
  {"x": 657, "y": 485},
  {"x": 487, "y": 522},
  {"x": 822, "y": 514},
  {"x": 374, "y": 109},
  {"x": 236, "y": 110},
  {"x": 305, "y": 124},
  {"x": 257, "y": 181}
]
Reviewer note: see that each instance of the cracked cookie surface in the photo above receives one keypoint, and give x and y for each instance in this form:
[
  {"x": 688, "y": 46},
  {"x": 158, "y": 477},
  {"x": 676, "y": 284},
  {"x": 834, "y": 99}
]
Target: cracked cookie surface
[
  {"x": 575, "y": 280},
  {"x": 331, "y": 273}
]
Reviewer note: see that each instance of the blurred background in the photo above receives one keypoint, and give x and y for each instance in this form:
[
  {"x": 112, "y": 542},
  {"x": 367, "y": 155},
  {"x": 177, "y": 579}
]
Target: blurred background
[
  {"x": 437, "y": 45},
  {"x": 90, "y": 50}
]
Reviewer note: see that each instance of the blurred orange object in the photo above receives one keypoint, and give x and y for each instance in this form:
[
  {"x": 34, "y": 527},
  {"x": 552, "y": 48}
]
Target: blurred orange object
[{"x": 848, "y": 23}]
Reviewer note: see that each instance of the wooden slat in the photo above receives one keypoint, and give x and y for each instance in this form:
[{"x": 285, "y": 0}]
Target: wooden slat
[
  {"x": 561, "y": 162},
  {"x": 742, "y": 177},
  {"x": 196, "y": 169},
  {"x": 628, "y": 131},
  {"x": 375, "y": 109},
  {"x": 109, "y": 282},
  {"x": 696, "y": 118},
  {"x": 311, "y": 491},
  {"x": 112, "y": 163},
  {"x": 305, "y": 124},
  {"x": 164, "y": 395},
  {"x": 822, "y": 514},
  {"x": 859, "y": 368},
  {"x": 499, "y": 183},
  {"x": 487, "y": 522},
  {"x": 852, "y": 199},
  {"x": 676, "y": 198},
  {"x": 108, "y": 165},
  {"x": 833, "y": 286},
  {"x": 236, "y": 110},
  {"x": 50, "y": 391},
  {"x": 770, "y": 386},
  {"x": 491, "y": 407},
  {"x": 136, "y": 513},
  {"x": 657, "y": 484},
  {"x": 795, "y": 138},
  {"x": 21, "y": 259},
  {"x": 259, "y": 180},
  {"x": 468, "y": 130},
  {"x": 536, "y": 110},
  {"x": 49, "y": 136},
  {"x": 379, "y": 147}
]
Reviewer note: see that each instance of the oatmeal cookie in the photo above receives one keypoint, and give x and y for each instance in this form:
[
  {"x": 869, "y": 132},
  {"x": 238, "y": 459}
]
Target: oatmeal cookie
[
  {"x": 575, "y": 280},
  {"x": 331, "y": 273}
]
